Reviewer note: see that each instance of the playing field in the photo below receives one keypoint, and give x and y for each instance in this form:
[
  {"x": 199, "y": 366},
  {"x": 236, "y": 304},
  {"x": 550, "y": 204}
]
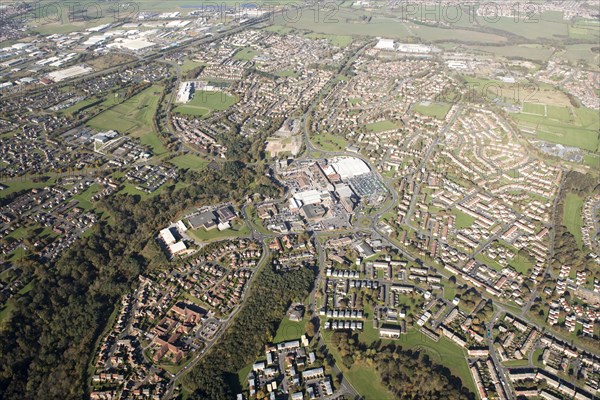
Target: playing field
[
  {"x": 189, "y": 161},
  {"x": 576, "y": 127},
  {"x": 435, "y": 110},
  {"x": 288, "y": 330},
  {"x": 134, "y": 117},
  {"x": 203, "y": 103},
  {"x": 246, "y": 53},
  {"x": 381, "y": 126}
]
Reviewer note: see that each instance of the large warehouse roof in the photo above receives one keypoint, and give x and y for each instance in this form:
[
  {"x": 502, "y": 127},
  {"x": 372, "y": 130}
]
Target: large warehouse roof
[{"x": 349, "y": 167}]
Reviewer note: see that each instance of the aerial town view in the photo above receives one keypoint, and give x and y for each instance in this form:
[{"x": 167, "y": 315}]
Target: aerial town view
[{"x": 300, "y": 199}]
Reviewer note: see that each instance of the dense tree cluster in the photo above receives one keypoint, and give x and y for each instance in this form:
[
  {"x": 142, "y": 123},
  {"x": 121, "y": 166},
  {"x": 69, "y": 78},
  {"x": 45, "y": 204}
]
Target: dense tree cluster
[
  {"x": 215, "y": 376},
  {"x": 47, "y": 343},
  {"x": 407, "y": 374}
]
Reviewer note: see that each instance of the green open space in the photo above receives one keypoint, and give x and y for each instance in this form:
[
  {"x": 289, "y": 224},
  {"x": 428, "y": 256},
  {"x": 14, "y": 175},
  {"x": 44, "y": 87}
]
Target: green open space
[
  {"x": 245, "y": 54},
  {"x": 287, "y": 73},
  {"x": 282, "y": 30},
  {"x": 289, "y": 330},
  {"x": 582, "y": 52},
  {"x": 545, "y": 26},
  {"x": 490, "y": 262},
  {"x": 533, "y": 52},
  {"x": 19, "y": 185},
  {"x": 381, "y": 126},
  {"x": 203, "y": 103},
  {"x": 462, "y": 220},
  {"x": 534, "y": 108},
  {"x": 572, "y": 217},
  {"x": 189, "y": 161},
  {"x": 582, "y": 132},
  {"x": 85, "y": 198},
  {"x": 335, "y": 40},
  {"x": 134, "y": 117},
  {"x": 435, "y": 110},
  {"x": 329, "y": 142}
]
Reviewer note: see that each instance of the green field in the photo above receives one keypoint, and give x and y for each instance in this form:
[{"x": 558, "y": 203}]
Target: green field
[
  {"x": 282, "y": 30},
  {"x": 246, "y": 54},
  {"x": 572, "y": 217},
  {"x": 329, "y": 142},
  {"x": 570, "y": 126},
  {"x": 381, "y": 126},
  {"x": 582, "y": 52},
  {"x": 462, "y": 220},
  {"x": 22, "y": 184},
  {"x": 335, "y": 40},
  {"x": 203, "y": 103},
  {"x": 344, "y": 22},
  {"x": 189, "y": 161},
  {"x": 534, "y": 108},
  {"x": 545, "y": 26},
  {"x": 288, "y": 330},
  {"x": 435, "y": 110},
  {"x": 533, "y": 52},
  {"x": 85, "y": 197},
  {"x": 367, "y": 381},
  {"x": 287, "y": 72},
  {"x": 134, "y": 117}
]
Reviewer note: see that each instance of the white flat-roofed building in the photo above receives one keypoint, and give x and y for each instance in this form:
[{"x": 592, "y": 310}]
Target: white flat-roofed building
[
  {"x": 167, "y": 236},
  {"x": 385, "y": 44},
  {"x": 348, "y": 167}
]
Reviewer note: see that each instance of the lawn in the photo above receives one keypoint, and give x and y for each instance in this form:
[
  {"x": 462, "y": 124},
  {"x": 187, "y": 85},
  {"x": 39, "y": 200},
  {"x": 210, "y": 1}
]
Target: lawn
[
  {"x": 203, "y": 103},
  {"x": 329, "y": 142},
  {"x": 134, "y": 117},
  {"x": 367, "y": 381},
  {"x": 435, "y": 110},
  {"x": 189, "y": 161},
  {"x": 582, "y": 132},
  {"x": 85, "y": 197},
  {"x": 572, "y": 218},
  {"x": 534, "y": 108},
  {"x": 462, "y": 220},
  {"x": 238, "y": 229},
  {"x": 489, "y": 261},
  {"x": 152, "y": 140},
  {"x": 245, "y": 54},
  {"x": 287, "y": 72},
  {"x": 381, "y": 126},
  {"x": 288, "y": 330},
  {"x": 521, "y": 264}
]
